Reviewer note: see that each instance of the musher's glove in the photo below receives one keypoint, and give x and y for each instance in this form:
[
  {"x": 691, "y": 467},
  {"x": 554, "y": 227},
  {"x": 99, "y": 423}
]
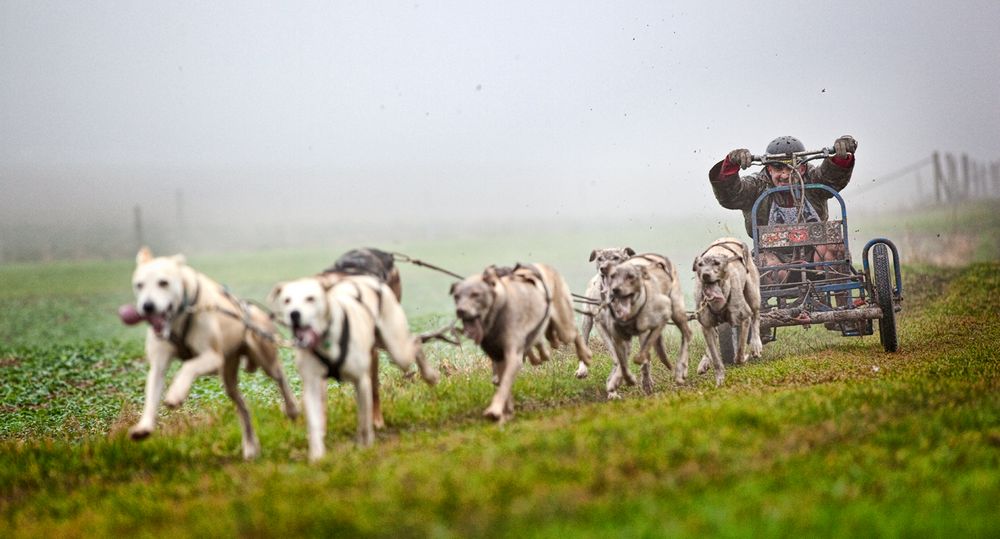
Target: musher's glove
[
  {"x": 845, "y": 145},
  {"x": 740, "y": 157}
]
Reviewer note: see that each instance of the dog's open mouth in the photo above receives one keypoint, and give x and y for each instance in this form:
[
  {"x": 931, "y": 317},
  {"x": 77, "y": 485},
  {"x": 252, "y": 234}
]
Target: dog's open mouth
[
  {"x": 472, "y": 327},
  {"x": 621, "y": 306},
  {"x": 712, "y": 294},
  {"x": 160, "y": 324},
  {"x": 306, "y": 337}
]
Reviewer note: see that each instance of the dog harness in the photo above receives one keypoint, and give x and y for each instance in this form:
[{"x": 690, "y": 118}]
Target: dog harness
[
  {"x": 184, "y": 352},
  {"x": 334, "y": 365},
  {"x": 507, "y": 271},
  {"x": 725, "y": 245},
  {"x": 548, "y": 304},
  {"x": 368, "y": 261}
]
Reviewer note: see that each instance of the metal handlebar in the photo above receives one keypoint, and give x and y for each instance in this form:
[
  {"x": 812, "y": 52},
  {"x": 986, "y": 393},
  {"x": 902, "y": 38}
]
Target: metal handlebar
[{"x": 797, "y": 158}]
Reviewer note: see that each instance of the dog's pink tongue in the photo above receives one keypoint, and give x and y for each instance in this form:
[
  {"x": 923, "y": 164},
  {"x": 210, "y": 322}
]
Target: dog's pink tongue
[
  {"x": 157, "y": 321},
  {"x": 473, "y": 329},
  {"x": 621, "y": 308},
  {"x": 307, "y": 338},
  {"x": 129, "y": 315},
  {"x": 713, "y": 293}
]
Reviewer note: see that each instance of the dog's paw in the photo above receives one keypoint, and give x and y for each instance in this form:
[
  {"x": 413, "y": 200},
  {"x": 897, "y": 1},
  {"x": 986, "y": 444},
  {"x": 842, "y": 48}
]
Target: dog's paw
[
  {"x": 582, "y": 372},
  {"x": 630, "y": 378},
  {"x": 139, "y": 433},
  {"x": 251, "y": 451},
  {"x": 290, "y": 409},
  {"x": 647, "y": 385},
  {"x": 720, "y": 377},
  {"x": 494, "y": 413},
  {"x": 756, "y": 347},
  {"x": 173, "y": 402},
  {"x": 703, "y": 364},
  {"x": 366, "y": 440},
  {"x": 614, "y": 396},
  {"x": 431, "y": 376}
]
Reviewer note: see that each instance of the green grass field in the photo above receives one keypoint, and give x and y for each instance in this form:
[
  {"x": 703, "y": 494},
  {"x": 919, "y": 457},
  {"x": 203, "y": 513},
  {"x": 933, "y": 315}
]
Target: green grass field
[{"x": 823, "y": 436}]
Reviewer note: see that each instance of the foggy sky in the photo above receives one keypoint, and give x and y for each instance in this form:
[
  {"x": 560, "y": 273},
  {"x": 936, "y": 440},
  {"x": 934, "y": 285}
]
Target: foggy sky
[{"x": 310, "y": 112}]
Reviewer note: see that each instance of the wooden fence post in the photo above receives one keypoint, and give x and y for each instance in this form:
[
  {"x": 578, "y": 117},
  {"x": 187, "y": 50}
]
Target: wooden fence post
[
  {"x": 938, "y": 178},
  {"x": 966, "y": 180}
]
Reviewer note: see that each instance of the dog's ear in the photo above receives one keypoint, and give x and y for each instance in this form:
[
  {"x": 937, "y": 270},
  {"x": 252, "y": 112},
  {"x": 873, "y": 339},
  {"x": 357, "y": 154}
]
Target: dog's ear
[
  {"x": 180, "y": 260},
  {"x": 144, "y": 255},
  {"x": 593, "y": 255},
  {"x": 451, "y": 290},
  {"x": 490, "y": 275},
  {"x": 272, "y": 296},
  {"x": 643, "y": 272},
  {"x": 694, "y": 265},
  {"x": 630, "y": 251}
]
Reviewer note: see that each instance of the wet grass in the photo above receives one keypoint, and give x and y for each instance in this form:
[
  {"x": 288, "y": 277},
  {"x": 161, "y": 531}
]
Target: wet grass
[{"x": 823, "y": 436}]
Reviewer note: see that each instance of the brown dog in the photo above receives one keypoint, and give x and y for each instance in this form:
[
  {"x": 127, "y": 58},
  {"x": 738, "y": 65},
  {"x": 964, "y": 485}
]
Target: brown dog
[
  {"x": 644, "y": 296},
  {"x": 192, "y": 318},
  {"x": 508, "y": 311}
]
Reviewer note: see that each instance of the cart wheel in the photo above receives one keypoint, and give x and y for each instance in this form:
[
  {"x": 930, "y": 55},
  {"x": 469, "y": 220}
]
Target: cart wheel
[
  {"x": 883, "y": 296},
  {"x": 727, "y": 343}
]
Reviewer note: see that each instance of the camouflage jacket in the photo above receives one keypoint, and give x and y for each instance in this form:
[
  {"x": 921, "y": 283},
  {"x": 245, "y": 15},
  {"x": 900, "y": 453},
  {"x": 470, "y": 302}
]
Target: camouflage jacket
[{"x": 736, "y": 193}]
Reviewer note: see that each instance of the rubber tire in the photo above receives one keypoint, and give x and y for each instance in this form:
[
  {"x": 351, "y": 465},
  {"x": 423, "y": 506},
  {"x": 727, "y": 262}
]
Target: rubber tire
[
  {"x": 727, "y": 344},
  {"x": 883, "y": 297}
]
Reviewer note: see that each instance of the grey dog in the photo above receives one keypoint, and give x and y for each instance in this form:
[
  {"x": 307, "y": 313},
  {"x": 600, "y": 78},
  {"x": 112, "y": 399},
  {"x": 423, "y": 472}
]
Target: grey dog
[
  {"x": 597, "y": 288},
  {"x": 644, "y": 296},
  {"x": 727, "y": 289},
  {"x": 511, "y": 312}
]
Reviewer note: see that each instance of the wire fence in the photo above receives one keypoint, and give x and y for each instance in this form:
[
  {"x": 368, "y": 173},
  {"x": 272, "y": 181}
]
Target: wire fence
[{"x": 938, "y": 179}]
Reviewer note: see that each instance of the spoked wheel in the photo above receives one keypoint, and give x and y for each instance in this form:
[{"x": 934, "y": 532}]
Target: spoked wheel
[{"x": 883, "y": 297}]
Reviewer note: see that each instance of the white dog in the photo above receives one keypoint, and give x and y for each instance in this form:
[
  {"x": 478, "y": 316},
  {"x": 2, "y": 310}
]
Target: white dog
[
  {"x": 336, "y": 323},
  {"x": 727, "y": 289},
  {"x": 193, "y": 319}
]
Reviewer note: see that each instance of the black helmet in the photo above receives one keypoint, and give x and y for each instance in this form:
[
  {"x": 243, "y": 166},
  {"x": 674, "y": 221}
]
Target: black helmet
[{"x": 785, "y": 145}]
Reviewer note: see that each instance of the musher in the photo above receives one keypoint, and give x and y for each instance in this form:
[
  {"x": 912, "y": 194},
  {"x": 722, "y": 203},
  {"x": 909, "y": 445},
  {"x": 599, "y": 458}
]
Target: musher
[{"x": 739, "y": 193}]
